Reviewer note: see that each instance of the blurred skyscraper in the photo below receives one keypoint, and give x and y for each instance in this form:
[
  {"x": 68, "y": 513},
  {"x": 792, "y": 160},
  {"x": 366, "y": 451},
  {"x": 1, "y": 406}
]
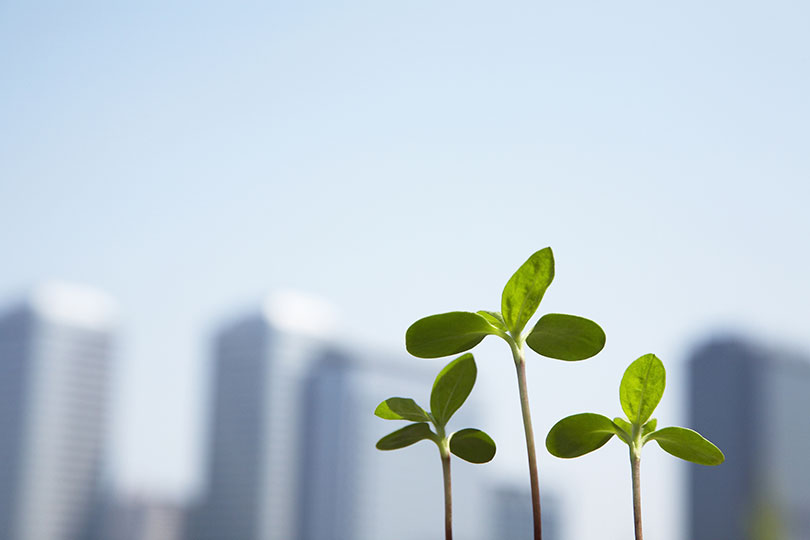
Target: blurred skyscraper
[
  {"x": 753, "y": 403},
  {"x": 55, "y": 362},
  {"x": 292, "y": 434},
  {"x": 512, "y": 513},
  {"x": 256, "y": 417},
  {"x": 351, "y": 490},
  {"x": 140, "y": 517}
]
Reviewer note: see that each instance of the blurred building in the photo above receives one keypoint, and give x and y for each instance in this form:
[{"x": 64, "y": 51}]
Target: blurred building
[
  {"x": 351, "y": 490},
  {"x": 141, "y": 517},
  {"x": 512, "y": 513},
  {"x": 752, "y": 402},
  {"x": 55, "y": 362},
  {"x": 292, "y": 435},
  {"x": 256, "y": 418}
]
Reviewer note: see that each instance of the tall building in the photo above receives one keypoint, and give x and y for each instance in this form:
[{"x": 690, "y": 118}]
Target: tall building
[
  {"x": 752, "y": 401},
  {"x": 260, "y": 362},
  {"x": 512, "y": 513},
  {"x": 351, "y": 490},
  {"x": 292, "y": 440},
  {"x": 141, "y": 517},
  {"x": 55, "y": 355}
]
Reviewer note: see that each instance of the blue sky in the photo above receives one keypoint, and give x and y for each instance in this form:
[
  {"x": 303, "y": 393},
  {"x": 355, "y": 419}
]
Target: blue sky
[{"x": 400, "y": 159}]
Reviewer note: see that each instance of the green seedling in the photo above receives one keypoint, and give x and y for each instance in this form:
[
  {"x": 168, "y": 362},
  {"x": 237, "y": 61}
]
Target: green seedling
[
  {"x": 450, "y": 390},
  {"x": 639, "y": 392},
  {"x": 562, "y": 337}
]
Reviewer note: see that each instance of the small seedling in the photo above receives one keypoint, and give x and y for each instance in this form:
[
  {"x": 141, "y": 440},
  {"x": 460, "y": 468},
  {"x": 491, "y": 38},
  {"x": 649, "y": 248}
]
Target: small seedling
[
  {"x": 562, "y": 337},
  {"x": 639, "y": 392},
  {"x": 450, "y": 390}
]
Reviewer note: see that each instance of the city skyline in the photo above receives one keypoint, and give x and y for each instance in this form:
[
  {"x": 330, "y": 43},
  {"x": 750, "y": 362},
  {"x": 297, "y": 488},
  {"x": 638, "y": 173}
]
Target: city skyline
[
  {"x": 328, "y": 370},
  {"x": 399, "y": 160}
]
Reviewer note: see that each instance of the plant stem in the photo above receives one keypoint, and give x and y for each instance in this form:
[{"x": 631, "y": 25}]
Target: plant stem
[
  {"x": 520, "y": 364},
  {"x": 635, "y": 465},
  {"x": 448, "y": 495}
]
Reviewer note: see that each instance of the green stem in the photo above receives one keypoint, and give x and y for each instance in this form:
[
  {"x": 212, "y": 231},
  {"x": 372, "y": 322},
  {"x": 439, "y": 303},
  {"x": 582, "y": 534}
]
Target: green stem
[
  {"x": 635, "y": 465},
  {"x": 448, "y": 495},
  {"x": 520, "y": 364}
]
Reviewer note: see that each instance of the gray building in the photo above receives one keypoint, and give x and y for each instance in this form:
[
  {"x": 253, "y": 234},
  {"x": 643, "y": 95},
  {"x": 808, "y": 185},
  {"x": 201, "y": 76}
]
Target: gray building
[
  {"x": 55, "y": 355},
  {"x": 752, "y": 401},
  {"x": 351, "y": 490},
  {"x": 129, "y": 516},
  {"x": 512, "y": 517},
  {"x": 292, "y": 440},
  {"x": 255, "y": 421}
]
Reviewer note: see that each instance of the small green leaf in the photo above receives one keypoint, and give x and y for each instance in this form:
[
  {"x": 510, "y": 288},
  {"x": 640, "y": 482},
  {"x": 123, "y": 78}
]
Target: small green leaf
[
  {"x": 566, "y": 337},
  {"x": 689, "y": 445},
  {"x": 447, "y": 333},
  {"x": 649, "y": 427},
  {"x": 406, "y": 436},
  {"x": 642, "y": 387},
  {"x": 397, "y": 408},
  {"x": 472, "y": 445},
  {"x": 579, "y": 434},
  {"x": 525, "y": 290},
  {"x": 451, "y": 388},
  {"x": 495, "y": 319},
  {"x": 626, "y": 433}
]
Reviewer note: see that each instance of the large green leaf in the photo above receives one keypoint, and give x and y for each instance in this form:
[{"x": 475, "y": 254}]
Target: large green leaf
[
  {"x": 525, "y": 290},
  {"x": 566, "y": 337},
  {"x": 689, "y": 445},
  {"x": 397, "y": 408},
  {"x": 447, "y": 333},
  {"x": 451, "y": 388},
  {"x": 642, "y": 387},
  {"x": 472, "y": 445},
  {"x": 406, "y": 436},
  {"x": 579, "y": 434}
]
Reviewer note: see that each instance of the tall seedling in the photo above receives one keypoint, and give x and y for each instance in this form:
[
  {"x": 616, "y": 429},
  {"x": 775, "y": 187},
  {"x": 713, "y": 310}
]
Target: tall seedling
[
  {"x": 640, "y": 392},
  {"x": 450, "y": 390},
  {"x": 562, "y": 337}
]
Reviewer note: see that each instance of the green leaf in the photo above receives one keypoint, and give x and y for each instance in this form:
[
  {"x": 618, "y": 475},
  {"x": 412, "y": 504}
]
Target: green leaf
[
  {"x": 649, "y": 427},
  {"x": 451, "y": 388},
  {"x": 642, "y": 387},
  {"x": 689, "y": 445},
  {"x": 566, "y": 337},
  {"x": 406, "y": 436},
  {"x": 579, "y": 434},
  {"x": 626, "y": 433},
  {"x": 525, "y": 290},
  {"x": 397, "y": 408},
  {"x": 447, "y": 333},
  {"x": 495, "y": 319},
  {"x": 472, "y": 445}
]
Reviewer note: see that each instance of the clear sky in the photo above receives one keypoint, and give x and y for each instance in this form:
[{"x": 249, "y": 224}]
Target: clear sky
[{"x": 400, "y": 159}]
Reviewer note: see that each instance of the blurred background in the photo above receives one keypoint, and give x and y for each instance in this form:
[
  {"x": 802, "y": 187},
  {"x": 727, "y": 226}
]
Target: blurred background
[{"x": 218, "y": 220}]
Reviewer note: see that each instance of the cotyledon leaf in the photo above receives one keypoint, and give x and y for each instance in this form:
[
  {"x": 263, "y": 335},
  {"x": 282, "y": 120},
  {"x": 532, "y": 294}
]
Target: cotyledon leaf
[
  {"x": 472, "y": 445},
  {"x": 446, "y": 334},
  {"x": 579, "y": 434},
  {"x": 397, "y": 408},
  {"x": 688, "y": 445},
  {"x": 406, "y": 436}
]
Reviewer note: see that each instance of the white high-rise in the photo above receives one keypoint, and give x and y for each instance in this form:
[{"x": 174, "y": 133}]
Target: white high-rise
[{"x": 55, "y": 355}]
